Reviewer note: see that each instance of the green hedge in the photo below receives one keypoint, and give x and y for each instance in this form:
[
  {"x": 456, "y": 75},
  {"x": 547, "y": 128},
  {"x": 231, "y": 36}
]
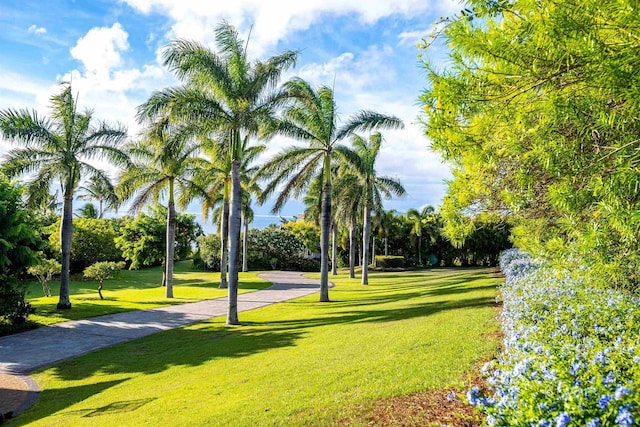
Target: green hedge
[{"x": 389, "y": 261}]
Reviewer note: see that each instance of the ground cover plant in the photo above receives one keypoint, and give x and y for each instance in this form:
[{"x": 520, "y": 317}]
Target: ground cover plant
[
  {"x": 571, "y": 355},
  {"x": 296, "y": 363},
  {"x": 133, "y": 290}
]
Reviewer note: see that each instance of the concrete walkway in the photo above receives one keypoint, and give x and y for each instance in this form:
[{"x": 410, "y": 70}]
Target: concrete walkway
[{"x": 23, "y": 353}]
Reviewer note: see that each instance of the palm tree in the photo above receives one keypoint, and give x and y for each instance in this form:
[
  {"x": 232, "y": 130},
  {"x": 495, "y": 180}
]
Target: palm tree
[
  {"x": 56, "y": 150},
  {"x": 417, "y": 218},
  {"x": 375, "y": 188},
  {"x": 223, "y": 91},
  {"x": 348, "y": 190},
  {"x": 88, "y": 211},
  {"x": 102, "y": 191},
  {"x": 165, "y": 159},
  {"x": 312, "y": 117},
  {"x": 385, "y": 223}
]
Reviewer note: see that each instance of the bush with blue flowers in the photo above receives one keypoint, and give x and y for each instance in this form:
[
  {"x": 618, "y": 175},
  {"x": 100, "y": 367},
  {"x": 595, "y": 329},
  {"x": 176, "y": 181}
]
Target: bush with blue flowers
[{"x": 571, "y": 353}]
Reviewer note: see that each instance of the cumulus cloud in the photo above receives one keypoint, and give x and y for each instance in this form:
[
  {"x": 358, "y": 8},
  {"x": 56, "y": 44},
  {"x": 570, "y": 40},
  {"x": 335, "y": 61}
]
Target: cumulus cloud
[
  {"x": 272, "y": 21},
  {"x": 100, "y": 49},
  {"x": 34, "y": 29}
]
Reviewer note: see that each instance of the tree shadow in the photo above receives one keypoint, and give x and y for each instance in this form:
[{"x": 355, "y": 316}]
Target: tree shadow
[
  {"x": 184, "y": 346},
  {"x": 60, "y": 399}
]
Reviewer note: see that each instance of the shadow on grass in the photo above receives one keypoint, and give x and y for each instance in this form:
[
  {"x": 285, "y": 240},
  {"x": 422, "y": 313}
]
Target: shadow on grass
[
  {"x": 178, "y": 347},
  {"x": 60, "y": 399}
]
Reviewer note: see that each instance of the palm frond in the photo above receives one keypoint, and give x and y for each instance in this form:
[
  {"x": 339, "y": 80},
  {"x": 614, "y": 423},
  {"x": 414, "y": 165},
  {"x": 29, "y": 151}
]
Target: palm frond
[{"x": 367, "y": 121}]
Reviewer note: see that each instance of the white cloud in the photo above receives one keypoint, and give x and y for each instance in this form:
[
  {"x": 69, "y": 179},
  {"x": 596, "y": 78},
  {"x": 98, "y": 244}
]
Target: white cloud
[
  {"x": 34, "y": 29},
  {"x": 99, "y": 50},
  {"x": 273, "y": 21}
]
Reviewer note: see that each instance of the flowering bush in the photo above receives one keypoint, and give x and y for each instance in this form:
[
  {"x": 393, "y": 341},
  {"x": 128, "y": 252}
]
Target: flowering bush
[{"x": 571, "y": 354}]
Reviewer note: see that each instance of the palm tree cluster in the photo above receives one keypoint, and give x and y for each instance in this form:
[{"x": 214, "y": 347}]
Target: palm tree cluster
[{"x": 199, "y": 143}]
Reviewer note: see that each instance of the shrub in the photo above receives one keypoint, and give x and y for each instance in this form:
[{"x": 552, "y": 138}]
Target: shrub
[
  {"x": 209, "y": 252},
  {"x": 93, "y": 241},
  {"x": 102, "y": 271},
  {"x": 389, "y": 261},
  {"x": 44, "y": 271},
  {"x": 143, "y": 239},
  {"x": 571, "y": 355},
  {"x": 273, "y": 248},
  {"x": 18, "y": 246}
]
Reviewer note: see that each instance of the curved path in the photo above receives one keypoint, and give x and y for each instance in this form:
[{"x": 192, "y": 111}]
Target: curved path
[{"x": 27, "y": 351}]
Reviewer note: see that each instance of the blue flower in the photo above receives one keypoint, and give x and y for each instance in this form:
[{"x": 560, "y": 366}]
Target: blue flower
[
  {"x": 563, "y": 420},
  {"x": 621, "y": 392},
  {"x": 603, "y": 402},
  {"x": 473, "y": 396},
  {"x": 593, "y": 423},
  {"x": 544, "y": 423},
  {"x": 624, "y": 418},
  {"x": 609, "y": 378}
]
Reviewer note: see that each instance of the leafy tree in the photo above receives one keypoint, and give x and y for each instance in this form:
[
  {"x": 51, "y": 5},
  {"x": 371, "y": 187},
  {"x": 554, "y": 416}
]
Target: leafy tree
[
  {"x": 93, "y": 241},
  {"x": 312, "y": 117},
  {"x": 165, "y": 162},
  {"x": 209, "y": 251},
  {"x": 44, "y": 271},
  {"x": 102, "y": 271},
  {"x": 18, "y": 246},
  {"x": 223, "y": 91},
  {"x": 142, "y": 239},
  {"x": 538, "y": 112},
  {"x": 307, "y": 232},
  {"x": 56, "y": 150}
]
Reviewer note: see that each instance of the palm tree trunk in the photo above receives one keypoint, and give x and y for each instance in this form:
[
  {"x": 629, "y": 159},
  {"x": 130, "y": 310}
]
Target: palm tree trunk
[
  {"x": 386, "y": 244},
  {"x": 224, "y": 244},
  {"x": 66, "y": 233},
  {"x": 419, "y": 250},
  {"x": 366, "y": 233},
  {"x": 373, "y": 250},
  {"x": 245, "y": 242},
  {"x": 325, "y": 226},
  {"x": 234, "y": 242},
  {"x": 352, "y": 252},
  {"x": 171, "y": 238},
  {"x": 334, "y": 250}
]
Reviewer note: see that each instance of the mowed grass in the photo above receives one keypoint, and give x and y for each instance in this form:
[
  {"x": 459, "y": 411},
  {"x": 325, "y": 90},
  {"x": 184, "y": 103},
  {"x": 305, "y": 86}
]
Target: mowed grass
[
  {"x": 133, "y": 290},
  {"x": 295, "y": 363}
]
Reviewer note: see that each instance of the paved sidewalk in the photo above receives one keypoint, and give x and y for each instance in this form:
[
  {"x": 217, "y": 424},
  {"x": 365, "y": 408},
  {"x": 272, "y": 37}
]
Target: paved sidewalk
[{"x": 25, "y": 352}]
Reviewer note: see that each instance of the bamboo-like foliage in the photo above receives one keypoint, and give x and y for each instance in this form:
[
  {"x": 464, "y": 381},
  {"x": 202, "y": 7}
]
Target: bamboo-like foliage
[
  {"x": 57, "y": 150},
  {"x": 312, "y": 117}
]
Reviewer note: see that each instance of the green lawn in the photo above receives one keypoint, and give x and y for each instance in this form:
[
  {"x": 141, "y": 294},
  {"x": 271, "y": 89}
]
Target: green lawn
[
  {"x": 294, "y": 363},
  {"x": 133, "y": 290}
]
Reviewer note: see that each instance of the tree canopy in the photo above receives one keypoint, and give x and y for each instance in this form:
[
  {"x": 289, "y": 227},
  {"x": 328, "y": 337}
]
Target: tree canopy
[{"x": 537, "y": 110}]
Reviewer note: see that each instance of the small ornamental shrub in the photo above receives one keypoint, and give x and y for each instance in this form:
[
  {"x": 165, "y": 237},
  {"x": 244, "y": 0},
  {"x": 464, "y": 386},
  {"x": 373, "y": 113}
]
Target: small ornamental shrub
[
  {"x": 571, "y": 355},
  {"x": 44, "y": 271},
  {"x": 102, "y": 271},
  {"x": 389, "y": 261}
]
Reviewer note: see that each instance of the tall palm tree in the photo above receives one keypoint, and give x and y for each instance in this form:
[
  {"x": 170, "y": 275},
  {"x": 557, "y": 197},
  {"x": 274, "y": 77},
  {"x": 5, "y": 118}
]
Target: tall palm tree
[
  {"x": 101, "y": 190},
  {"x": 385, "y": 223},
  {"x": 164, "y": 163},
  {"x": 375, "y": 189},
  {"x": 348, "y": 190},
  {"x": 223, "y": 91},
  {"x": 56, "y": 150},
  {"x": 417, "y": 218},
  {"x": 312, "y": 117}
]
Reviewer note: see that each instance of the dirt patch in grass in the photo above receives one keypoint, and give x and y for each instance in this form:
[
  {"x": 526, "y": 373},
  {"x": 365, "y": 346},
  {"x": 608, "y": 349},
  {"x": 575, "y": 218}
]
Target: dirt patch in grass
[{"x": 429, "y": 408}]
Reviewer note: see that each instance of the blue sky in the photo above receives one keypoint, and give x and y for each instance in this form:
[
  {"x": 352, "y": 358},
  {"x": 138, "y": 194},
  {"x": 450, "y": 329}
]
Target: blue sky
[{"x": 110, "y": 50}]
